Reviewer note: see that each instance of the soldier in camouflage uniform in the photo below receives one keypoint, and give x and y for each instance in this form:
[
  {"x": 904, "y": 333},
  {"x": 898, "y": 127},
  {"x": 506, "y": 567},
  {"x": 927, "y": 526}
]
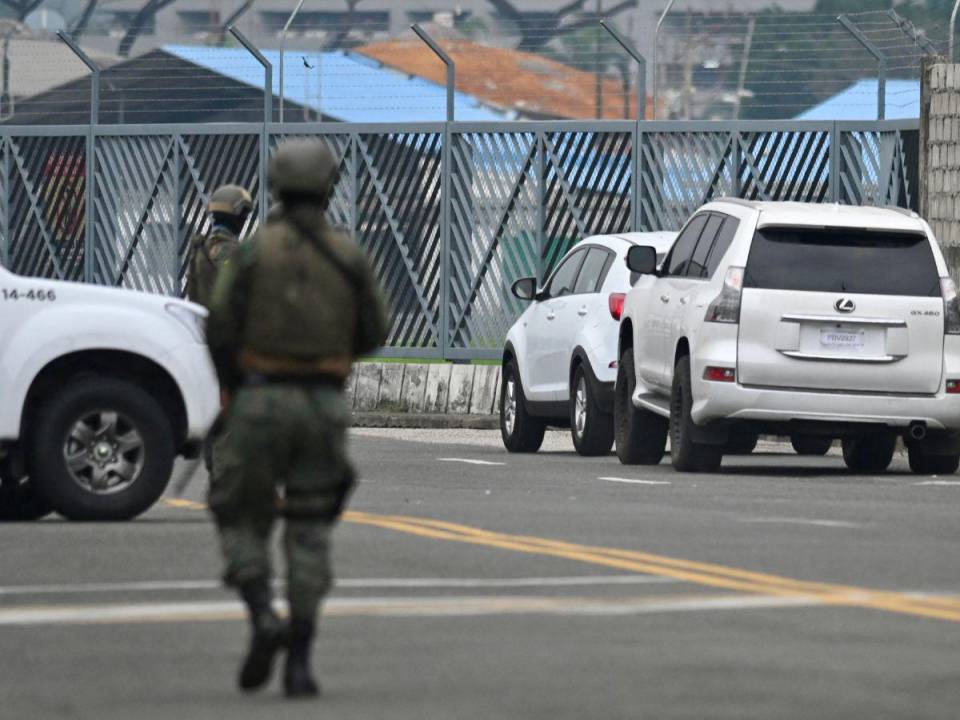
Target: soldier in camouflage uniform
[
  {"x": 290, "y": 313},
  {"x": 229, "y": 207}
]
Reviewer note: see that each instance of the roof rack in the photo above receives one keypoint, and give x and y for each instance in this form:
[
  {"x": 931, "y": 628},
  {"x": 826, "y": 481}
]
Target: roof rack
[{"x": 753, "y": 204}]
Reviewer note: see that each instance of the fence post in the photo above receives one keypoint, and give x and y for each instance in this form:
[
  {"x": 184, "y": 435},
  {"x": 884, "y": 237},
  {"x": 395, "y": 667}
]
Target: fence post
[
  {"x": 447, "y": 60},
  {"x": 90, "y": 164},
  {"x": 881, "y": 63},
  {"x": 283, "y": 43},
  {"x": 541, "y": 207},
  {"x": 641, "y": 63},
  {"x": 177, "y": 288},
  {"x": 446, "y": 187},
  {"x": 833, "y": 179},
  {"x": 5, "y": 227},
  {"x": 910, "y": 30},
  {"x": 267, "y": 114}
]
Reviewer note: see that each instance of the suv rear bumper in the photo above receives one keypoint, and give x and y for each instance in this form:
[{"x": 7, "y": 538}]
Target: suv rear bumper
[{"x": 732, "y": 401}]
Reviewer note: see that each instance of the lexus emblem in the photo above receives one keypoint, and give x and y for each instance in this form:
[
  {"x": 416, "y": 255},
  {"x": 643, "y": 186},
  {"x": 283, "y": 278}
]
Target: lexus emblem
[{"x": 845, "y": 305}]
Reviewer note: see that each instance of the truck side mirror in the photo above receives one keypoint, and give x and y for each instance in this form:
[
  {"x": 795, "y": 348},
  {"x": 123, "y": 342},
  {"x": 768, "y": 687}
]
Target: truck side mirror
[
  {"x": 525, "y": 288},
  {"x": 642, "y": 259}
]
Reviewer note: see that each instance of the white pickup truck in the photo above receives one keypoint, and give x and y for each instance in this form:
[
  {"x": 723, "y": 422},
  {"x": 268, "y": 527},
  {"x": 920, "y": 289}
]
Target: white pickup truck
[{"x": 101, "y": 390}]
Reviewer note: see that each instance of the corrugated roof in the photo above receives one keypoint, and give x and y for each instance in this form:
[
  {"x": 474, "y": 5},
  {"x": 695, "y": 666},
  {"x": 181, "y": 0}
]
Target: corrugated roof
[
  {"x": 528, "y": 83},
  {"x": 346, "y": 86},
  {"x": 859, "y": 102}
]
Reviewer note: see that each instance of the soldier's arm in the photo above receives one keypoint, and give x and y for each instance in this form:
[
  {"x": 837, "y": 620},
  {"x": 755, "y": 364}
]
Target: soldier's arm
[
  {"x": 228, "y": 310},
  {"x": 372, "y": 316}
]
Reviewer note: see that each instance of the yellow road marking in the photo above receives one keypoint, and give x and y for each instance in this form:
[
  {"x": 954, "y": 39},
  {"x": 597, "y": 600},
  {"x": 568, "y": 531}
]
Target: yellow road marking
[
  {"x": 707, "y": 574},
  {"x": 181, "y": 503},
  {"x": 941, "y": 608}
]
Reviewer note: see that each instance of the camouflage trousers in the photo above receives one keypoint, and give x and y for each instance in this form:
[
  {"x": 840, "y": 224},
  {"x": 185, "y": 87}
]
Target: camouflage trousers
[{"x": 281, "y": 453}]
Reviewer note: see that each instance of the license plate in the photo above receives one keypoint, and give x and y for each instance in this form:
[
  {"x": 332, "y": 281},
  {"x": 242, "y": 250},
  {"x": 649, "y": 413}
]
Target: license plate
[{"x": 841, "y": 338}]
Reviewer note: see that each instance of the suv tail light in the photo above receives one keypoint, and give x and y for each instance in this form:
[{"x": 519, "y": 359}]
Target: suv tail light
[
  {"x": 615, "y": 303},
  {"x": 726, "y": 307},
  {"x": 951, "y": 307}
]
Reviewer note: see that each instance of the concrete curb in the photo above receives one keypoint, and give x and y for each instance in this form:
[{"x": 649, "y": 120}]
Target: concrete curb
[{"x": 419, "y": 388}]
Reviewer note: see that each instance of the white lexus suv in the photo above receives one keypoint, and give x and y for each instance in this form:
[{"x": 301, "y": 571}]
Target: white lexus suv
[
  {"x": 810, "y": 321},
  {"x": 560, "y": 356}
]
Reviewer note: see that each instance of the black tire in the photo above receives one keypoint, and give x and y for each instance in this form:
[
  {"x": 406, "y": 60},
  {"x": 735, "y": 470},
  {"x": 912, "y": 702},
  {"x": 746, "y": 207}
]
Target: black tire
[
  {"x": 742, "y": 445},
  {"x": 594, "y": 436},
  {"x": 687, "y": 455},
  {"x": 112, "y": 427},
  {"x": 19, "y": 501},
  {"x": 871, "y": 453},
  {"x": 641, "y": 436},
  {"x": 525, "y": 435},
  {"x": 923, "y": 463},
  {"x": 811, "y": 444}
]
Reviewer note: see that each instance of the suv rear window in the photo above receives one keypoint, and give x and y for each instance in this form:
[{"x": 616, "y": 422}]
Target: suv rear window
[{"x": 850, "y": 260}]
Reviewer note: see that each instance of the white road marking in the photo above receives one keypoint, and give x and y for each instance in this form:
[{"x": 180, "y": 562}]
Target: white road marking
[
  {"x": 804, "y": 521},
  {"x": 939, "y": 482},
  {"x": 635, "y": 482},
  {"x": 347, "y": 583},
  {"x": 398, "y": 607},
  {"x": 470, "y": 461}
]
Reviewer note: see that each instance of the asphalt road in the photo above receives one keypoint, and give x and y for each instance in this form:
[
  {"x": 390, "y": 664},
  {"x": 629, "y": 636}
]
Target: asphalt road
[{"x": 473, "y": 584}]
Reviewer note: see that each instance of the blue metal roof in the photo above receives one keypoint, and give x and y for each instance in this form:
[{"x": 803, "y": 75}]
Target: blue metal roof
[
  {"x": 346, "y": 86},
  {"x": 859, "y": 102}
]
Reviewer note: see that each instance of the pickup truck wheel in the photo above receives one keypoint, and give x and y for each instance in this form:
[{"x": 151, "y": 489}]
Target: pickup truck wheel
[
  {"x": 871, "y": 453},
  {"x": 590, "y": 426},
  {"x": 19, "y": 501},
  {"x": 923, "y": 463},
  {"x": 641, "y": 435},
  {"x": 521, "y": 433},
  {"x": 687, "y": 455},
  {"x": 811, "y": 444},
  {"x": 101, "y": 449}
]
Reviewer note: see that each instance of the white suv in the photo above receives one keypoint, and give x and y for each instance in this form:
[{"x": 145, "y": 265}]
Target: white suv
[
  {"x": 811, "y": 321},
  {"x": 102, "y": 388},
  {"x": 560, "y": 357}
]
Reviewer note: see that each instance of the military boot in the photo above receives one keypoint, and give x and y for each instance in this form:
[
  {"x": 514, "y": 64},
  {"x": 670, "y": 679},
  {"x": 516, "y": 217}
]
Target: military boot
[
  {"x": 268, "y": 635},
  {"x": 298, "y": 680}
]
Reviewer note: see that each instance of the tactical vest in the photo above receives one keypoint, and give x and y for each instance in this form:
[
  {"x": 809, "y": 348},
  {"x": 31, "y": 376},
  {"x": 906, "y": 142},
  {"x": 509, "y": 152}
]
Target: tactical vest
[
  {"x": 302, "y": 304},
  {"x": 208, "y": 253}
]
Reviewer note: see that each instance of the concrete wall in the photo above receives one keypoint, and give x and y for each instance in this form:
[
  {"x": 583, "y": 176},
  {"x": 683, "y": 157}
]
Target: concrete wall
[
  {"x": 940, "y": 155},
  {"x": 424, "y": 388}
]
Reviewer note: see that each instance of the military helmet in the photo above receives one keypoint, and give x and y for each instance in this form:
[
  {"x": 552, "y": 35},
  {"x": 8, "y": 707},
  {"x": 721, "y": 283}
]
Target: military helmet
[
  {"x": 303, "y": 168},
  {"x": 231, "y": 200}
]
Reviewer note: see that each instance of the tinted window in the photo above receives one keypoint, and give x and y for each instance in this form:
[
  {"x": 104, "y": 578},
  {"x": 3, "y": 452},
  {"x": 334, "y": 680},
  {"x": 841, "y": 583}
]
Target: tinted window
[
  {"x": 676, "y": 263},
  {"x": 593, "y": 271},
  {"x": 697, "y": 266},
  {"x": 721, "y": 245},
  {"x": 842, "y": 260},
  {"x": 566, "y": 275}
]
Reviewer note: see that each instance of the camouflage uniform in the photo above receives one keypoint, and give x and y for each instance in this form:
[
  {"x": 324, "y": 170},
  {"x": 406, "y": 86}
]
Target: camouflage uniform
[
  {"x": 296, "y": 305},
  {"x": 229, "y": 207}
]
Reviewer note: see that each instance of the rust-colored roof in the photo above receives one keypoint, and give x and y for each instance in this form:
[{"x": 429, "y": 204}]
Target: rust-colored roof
[{"x": 530, "y": 84}]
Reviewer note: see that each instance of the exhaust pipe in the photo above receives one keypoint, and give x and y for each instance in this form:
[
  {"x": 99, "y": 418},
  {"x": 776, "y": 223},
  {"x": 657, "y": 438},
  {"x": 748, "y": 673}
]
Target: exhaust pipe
[{"x": 917, "y": 430}]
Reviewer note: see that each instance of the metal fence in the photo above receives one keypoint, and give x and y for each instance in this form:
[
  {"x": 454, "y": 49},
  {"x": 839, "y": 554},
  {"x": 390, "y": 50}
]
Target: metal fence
[{"x": 449, "y": 214}]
